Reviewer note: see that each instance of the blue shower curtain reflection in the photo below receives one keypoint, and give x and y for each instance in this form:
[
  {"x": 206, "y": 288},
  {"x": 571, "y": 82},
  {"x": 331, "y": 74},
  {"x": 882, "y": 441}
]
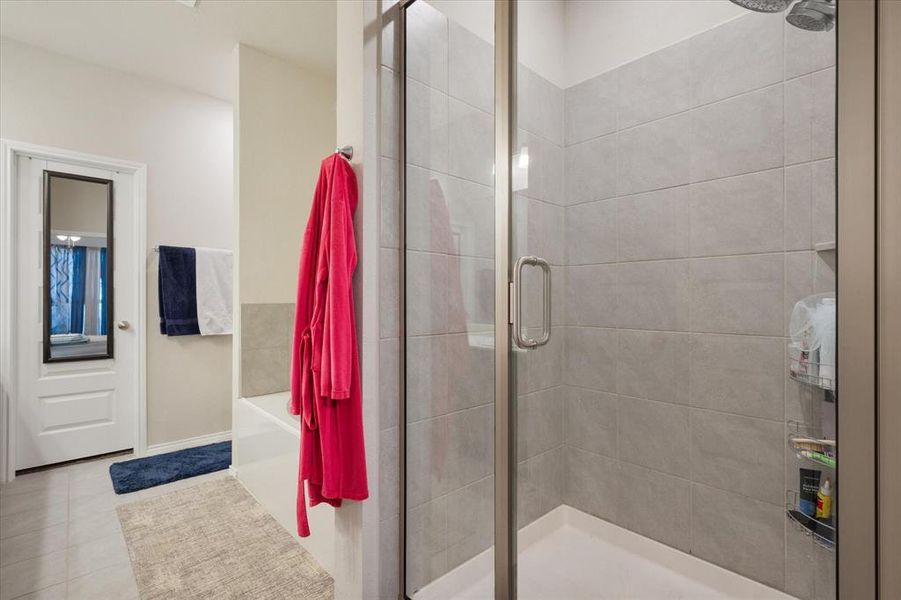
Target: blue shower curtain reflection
[
  {"x": 60, "y": 289},
  {"x": 76, "y": 302},
  {"x": 103, "y": 317}
]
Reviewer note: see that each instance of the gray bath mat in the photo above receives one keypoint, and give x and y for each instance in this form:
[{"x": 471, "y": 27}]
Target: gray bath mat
[{"x": 214, "y": 540}]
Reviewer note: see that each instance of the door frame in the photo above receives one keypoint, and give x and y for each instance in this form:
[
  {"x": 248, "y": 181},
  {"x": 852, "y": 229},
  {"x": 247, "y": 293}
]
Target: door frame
[{"x": 10, "y": 151}]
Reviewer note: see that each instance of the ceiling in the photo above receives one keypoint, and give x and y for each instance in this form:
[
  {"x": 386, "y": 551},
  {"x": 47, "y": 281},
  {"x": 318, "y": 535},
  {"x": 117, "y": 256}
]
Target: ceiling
[{"x": 166, "y": 40}]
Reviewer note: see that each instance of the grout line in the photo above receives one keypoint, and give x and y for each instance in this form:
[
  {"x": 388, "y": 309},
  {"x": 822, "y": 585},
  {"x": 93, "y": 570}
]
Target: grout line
[{"x": 677, "y": 404}]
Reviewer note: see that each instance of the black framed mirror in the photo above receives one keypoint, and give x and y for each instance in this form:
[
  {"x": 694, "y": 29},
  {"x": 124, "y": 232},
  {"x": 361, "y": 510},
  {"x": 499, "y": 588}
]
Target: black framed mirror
[{"x": 78, "y": 267}]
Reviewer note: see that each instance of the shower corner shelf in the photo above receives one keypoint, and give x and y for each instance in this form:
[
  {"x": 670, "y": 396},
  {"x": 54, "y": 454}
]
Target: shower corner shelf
[
  {"x": 813, "y": 449},
  {"x": 820, "y": 532},
  {"x": 803, "y": 372},
  {"x": 824, "y": 246}
]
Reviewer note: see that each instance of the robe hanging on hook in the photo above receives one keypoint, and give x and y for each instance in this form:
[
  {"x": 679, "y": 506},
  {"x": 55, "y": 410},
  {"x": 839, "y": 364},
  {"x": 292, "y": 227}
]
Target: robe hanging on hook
[{"x": 346, "y": 151}]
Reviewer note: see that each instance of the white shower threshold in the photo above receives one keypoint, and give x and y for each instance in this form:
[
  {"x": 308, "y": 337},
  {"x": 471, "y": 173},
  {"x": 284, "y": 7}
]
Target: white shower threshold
[{"x": 570, "y": 555}]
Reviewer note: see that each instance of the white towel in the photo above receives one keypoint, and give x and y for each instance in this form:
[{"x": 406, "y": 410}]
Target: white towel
[{"x": 214, "y": 291}]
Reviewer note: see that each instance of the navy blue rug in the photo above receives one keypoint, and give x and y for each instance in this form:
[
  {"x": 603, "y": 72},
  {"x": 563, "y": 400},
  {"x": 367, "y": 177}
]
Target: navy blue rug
[{"x": 142, "y": 473}]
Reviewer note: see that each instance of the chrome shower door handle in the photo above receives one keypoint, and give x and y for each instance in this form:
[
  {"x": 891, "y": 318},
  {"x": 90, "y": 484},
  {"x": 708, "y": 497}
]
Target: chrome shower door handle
[{"x": 522, "y": 340}]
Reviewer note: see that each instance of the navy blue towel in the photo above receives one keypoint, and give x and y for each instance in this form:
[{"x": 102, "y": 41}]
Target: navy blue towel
[
  {"x": 178, "y": 291},
  {"x": 141, "y": 473}
]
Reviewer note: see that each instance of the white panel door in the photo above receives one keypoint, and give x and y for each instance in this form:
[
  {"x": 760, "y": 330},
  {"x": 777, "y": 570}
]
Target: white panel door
[{"x": 70, "y": 410}]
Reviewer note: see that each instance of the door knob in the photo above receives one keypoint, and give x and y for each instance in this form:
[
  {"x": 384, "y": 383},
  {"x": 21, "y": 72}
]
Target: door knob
[{"x": 123, "y": 325}]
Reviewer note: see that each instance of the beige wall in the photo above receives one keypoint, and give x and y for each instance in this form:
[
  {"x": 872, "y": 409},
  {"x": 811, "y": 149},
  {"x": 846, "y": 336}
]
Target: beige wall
[
  {"x": 286, "y": 126},
  {"x": 185, "y": 139},
  {"x": 603, "y": 35}
]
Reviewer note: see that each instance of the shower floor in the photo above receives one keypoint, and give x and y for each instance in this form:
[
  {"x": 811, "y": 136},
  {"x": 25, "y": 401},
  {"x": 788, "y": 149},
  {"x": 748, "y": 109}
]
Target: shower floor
[{"x": 570, "y": 555}]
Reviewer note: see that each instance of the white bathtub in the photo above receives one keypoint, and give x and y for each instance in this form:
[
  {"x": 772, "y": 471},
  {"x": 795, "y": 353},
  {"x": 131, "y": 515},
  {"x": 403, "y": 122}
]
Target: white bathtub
[{"x": 267, "y": 445}]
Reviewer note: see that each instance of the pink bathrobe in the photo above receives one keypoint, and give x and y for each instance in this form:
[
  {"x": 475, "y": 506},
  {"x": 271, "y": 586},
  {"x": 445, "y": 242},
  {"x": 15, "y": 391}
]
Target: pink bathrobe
[{"x": 325, "y": 373}]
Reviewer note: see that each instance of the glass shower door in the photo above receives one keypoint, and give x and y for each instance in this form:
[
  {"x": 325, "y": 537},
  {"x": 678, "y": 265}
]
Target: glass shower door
[{"x": 448, "y": 255}]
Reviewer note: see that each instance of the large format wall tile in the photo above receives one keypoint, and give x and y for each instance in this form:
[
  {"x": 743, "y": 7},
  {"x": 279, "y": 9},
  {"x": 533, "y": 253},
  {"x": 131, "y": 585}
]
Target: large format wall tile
[
  {"x": 471, "y": 140},
  {"x": 807, "y": 51},
  {"x": 653, "y": 295},
  {"x": 738, "y": 374},
  {"x": 741, "y": 294},
  {"x": 428, "y": 474},
  {"x": 591, "y": 170},
  {"x": 740, "y": 454},
  {"x": 653, "y": 156},
  {"x": 471, "y": 208},
  {"x": 389, "y": 468},
  {"x": 655, "y": 505},
  {"x": 427, "y": 124},
  {"x": 591, "y": 295},
  {"x": 389, "y": 286},
  {"x": 653, "y": 365},
  {"x": 798, "y": 206},
  {"x": 427, "y": 207},
  {"x": 738, "y": 533},
  {"x": 653, "y": 225},
  {"x": 739, "y": 56},
  {"x": 540, "y": 108},
  {"x": 265, "y": 371},
  {"x": 590, "y": 420},
  {"x": 822, "y": 183},
  {"x": 470, "y": 521},
  {"x": 590, "y": 108},
  {"x": 739, "y": 135},
  {"x": 738, "y": 215},
  {"x": 426, "y": 530},
  {"x": 547, "y": 469},
  {"x": 592, "y": 483},
  {"x": 389, "y": 199},
  {"x": 269, "y": 325},
  {"x": 539, "y": 422},
  {"x": 389, "y": 382},
  {"x": 427, "y": 46},
  {"x": 388, "y": 119},
  {"x": 590, "y": 358},
  {"x": 539, "y": 229},
  {"x": 590, "y": 235},
  {"x": 427, "y": 293},
  {"x": 541, "y": 367},
  {"x": 654, "y": 86},
  {"x": 471, "y": 68},
  {"x": 470, "y": 293},
  {"x": 654, "y": 434},
  {"x": 427, "y": 379},
  {"x": 543, "y": 173},
  {"x": 471, "y": 445},
  {"x": 810, "y": 117},
  {"x": 470, "y": 372}
]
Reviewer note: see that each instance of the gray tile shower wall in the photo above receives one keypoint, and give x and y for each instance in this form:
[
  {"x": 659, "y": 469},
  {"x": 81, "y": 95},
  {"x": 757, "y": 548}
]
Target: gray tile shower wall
[
  {"x": 698, "y": 180},
  {"x": 266, "y": 334}
]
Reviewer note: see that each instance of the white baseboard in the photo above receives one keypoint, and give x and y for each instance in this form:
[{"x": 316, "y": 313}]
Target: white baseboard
[{"x": 200, "y": 440}]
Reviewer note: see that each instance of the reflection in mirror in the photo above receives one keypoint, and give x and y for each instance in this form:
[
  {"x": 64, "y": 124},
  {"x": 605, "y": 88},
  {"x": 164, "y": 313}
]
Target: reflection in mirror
[{"x": 78, "y": 267}]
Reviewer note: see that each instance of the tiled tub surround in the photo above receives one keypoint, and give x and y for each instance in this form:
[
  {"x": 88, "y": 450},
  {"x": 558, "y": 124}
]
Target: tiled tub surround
[
  {"x": 266, "y": 334},
  {"x": 698, "y": 180},
  {"x": 678, "y": 198}
]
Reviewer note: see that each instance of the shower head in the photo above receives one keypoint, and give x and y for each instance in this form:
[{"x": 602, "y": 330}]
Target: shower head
[
  {"x": 765, "y": 6},
  {"x": 813, "y": 15}
]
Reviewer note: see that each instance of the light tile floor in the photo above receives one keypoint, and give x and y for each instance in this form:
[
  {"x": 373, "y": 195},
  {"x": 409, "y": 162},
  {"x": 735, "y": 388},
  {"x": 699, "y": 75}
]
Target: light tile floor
[{"x": 60, "y": 537}]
